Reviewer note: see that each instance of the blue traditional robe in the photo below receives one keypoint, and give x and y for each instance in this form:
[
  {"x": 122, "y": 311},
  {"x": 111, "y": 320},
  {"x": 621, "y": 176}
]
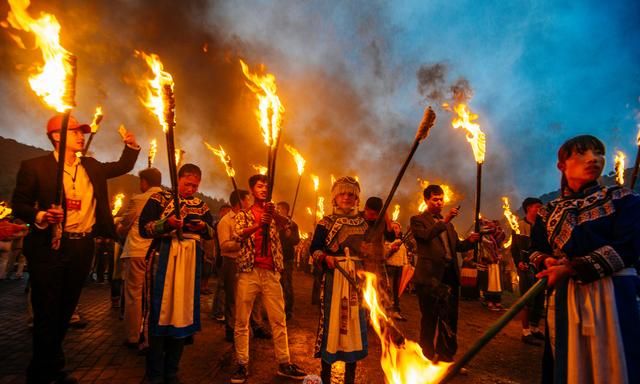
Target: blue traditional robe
[
  {"x": 342, "y": 330},
  {"x": 172, "y": 283},
  {"x": 593, "y": 318}
]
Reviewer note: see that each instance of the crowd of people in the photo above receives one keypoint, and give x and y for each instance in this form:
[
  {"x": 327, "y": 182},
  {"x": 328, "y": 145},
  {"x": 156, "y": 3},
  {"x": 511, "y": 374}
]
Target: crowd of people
[{"x": 165, "y": 247}]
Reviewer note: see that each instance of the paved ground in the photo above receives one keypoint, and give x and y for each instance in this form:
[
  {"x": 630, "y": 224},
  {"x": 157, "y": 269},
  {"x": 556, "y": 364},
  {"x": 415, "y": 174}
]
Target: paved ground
[{"x": 96, "y": 354}]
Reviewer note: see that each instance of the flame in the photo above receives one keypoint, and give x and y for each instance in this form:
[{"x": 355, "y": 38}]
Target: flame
[
  {"x": 309, "y": 211},
  {"x": 153, "y": 149},
  {"x": 97, "y": 117},
  {"x": 422, "y": 207},
  {"x": 179, "y": 156},
  {"x": 511, "y": 218},
  {"x": 226, "y": 159},
  {"x": 396, "y": 212},
  {"x": 475, "y": 136},
  {"x": 300, "y": 161},
  {"x": 303, "y": 235},
  {"x": 316, "y": 182},
  {"x": 155, "y": 101},
  {"x": 357, "y": 178},
  {"x": 507, "y": 243},
  {"x": 402, "y": 363},
  {"x": 261, "y": 169},
  {"x": 53, "y": 81},
  {"x": 333, "y": 180},
  {"x": 117, "y": 203},
  {"x": 618, "y": 165},
  {"x": 4, "y": 210},
  {"x": 320, "y": 210},
  {"x": 268, "y": 104}
]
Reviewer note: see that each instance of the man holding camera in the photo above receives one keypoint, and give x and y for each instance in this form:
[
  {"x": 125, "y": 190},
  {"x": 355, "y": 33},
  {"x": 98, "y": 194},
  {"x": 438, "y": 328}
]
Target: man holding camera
[{"x": 437, "y": 276}]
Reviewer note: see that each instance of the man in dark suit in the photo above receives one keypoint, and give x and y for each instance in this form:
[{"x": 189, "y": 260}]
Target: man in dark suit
[
  {"x": 437, "y": 275},
  {"x": 57, "y": 276}
]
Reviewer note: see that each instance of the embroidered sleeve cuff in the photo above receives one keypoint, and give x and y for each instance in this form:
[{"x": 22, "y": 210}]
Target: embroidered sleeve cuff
[
  {"x": 602, "y": 262},
  {"x": 156, "y": 228},
  {"x": 537, "y": 259}
]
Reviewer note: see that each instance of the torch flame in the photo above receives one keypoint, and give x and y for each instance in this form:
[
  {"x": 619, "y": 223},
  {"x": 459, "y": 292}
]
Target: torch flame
[
  {"x": 320, "y": 211},
  {"x": 507, "y": 243},
  {"x": 316, "y": 182},
  {"x": 303, "y": 235},
  {"x": 4, "y": 210},
  {"x": 179, "y": 154},
  {"x": 300, "y": 161},
  {"x": 511, "y": 218},
  {"x": 117, "y": 203},
  {"x": 619, "y": 167},
  {"x": 333, "y": 180},
  {"x": 309, "y": 211},
  {"x": 261, "y": 169},
  {"x": 97, "y": 118},
  {"x": 53, "y": 81},
  {"x": 268, "y": 104},
  {"x": 155, "y": 101},
  {"x": 475, "y": 136},
  {"x": 396, "y": 212},
  {"x": 226, "y": 159},
  {"x": 153, "y": 149},
  {"x": 403, "y": 363}
]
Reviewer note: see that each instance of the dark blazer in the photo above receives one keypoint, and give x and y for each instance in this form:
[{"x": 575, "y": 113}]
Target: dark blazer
[
  {"x": 431, "y": 263},
  {"x": 36, "y": 190}
]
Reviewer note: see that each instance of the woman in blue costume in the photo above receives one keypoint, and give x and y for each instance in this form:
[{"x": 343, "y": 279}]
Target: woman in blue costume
[
  {"x": 339, "y": 239},
  {"x": 587, "y": 243},
  {"x": 172, "y": 298}
]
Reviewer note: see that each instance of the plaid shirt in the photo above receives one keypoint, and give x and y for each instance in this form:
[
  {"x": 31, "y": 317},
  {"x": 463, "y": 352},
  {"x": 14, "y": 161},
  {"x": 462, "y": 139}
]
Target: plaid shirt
[{"x": 246, "y": 259}]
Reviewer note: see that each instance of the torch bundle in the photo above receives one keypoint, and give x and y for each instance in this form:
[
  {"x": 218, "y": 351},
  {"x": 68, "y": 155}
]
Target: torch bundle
[{"x": 54, "y": 81}]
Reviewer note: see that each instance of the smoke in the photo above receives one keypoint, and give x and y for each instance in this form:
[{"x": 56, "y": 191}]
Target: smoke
[{"x": 347, "y": 79}]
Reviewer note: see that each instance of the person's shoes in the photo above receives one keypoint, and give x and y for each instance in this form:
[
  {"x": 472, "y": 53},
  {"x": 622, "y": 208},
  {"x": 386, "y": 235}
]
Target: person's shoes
[
  {"x": 398, "y": 316},
  {"x": 130, "y": 345},
  {"x": 291, "y": 371},
  {"x": 538, "y": 335},
  {"x": 219, "y": 317},
  {"x": 172, "y": 380},
  {"x": 260, "y": 333},
  {"x": 240, "y": 375},
  {"x": 464, "y": 371},
  {"x": 530, "y": 339},
  {"x": 78, "y": 324},
  {"x": 65, "y": 378}
]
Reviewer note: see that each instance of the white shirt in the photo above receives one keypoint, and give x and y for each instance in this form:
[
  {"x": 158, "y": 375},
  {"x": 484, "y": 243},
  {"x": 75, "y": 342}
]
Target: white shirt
[
  {"x": 229, "y": 246},
  {"x": 136, "y": 245}
]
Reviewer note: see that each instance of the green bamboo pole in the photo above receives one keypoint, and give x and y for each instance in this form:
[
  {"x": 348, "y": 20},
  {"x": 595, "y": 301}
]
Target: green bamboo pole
[{"x": 494, "y": 329}]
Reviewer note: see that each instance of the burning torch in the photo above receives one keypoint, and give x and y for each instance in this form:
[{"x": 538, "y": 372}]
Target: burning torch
[
  {"x": 153, "y": 149},
  {"x": 95, "y": 125},
  {"x": 618, "y": 166},
  {"x": 54, "y": 82},
  {"x": 634, "y": 175},
  {"x": 226, "y": 160},
  {"x": 300, "y": 162},
  {"x": 161, "y": 102},
  {"x": 428, "y": 119},
  {"x": 316, "y": 185},
  {"x": 270, "y": 111},
  {"x": 478, "y": 141}
]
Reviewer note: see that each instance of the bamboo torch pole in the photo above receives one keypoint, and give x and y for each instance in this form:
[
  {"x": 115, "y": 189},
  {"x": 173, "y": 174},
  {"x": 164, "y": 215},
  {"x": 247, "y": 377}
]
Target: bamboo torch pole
[
  {"x": 455, "y": 368},
  {"x": 428, "y": 120}
]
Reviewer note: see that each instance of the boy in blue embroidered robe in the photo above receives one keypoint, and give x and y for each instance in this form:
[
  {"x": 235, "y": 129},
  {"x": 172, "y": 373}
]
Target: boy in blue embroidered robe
[{"x": 172, "y": 305}]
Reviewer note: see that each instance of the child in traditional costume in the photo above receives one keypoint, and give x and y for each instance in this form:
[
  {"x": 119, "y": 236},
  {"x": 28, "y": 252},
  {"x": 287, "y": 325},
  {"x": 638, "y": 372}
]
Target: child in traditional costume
[{"x": 587, "y": 242}]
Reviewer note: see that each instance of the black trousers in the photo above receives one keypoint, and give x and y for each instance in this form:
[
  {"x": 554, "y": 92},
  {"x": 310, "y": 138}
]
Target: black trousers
[
  {"x": 286, "y": 280},
  {"x": 163, "y": 357},
  {"x": 56, "y": 279},
  {"x": 395, "y": 275},
  {"x": 439, "y": 322}
]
